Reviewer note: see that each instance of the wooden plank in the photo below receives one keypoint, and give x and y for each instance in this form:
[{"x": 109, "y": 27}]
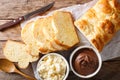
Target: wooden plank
[
  {"x": 11, "y": 9},
  {"x": 14, "y": 76},
  {"x": 10, "y": 33}
]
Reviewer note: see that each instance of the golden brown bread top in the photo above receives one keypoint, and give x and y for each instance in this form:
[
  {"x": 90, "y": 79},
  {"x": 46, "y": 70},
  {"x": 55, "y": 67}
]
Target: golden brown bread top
[{"x": 101, "y": 22}]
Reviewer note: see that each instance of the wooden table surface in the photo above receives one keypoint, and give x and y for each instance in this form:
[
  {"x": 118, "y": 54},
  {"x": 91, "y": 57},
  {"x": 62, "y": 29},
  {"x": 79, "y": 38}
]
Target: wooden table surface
[{"x": 11, "y": 9}]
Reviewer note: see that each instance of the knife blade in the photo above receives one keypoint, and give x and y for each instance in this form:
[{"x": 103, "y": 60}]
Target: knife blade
[{"x": 26, "y": 17}]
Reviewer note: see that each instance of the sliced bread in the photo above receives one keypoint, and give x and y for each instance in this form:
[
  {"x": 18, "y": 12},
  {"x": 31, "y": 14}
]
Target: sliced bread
[
  {"x": 18, "y": 52},
  {"x": 26, "y": 33},
  {"x": 50, "y": 34},
  {"x": 28, "y": 38},
  {"x": 65, "y": 33},
  {"x": 41, "y": 36}
]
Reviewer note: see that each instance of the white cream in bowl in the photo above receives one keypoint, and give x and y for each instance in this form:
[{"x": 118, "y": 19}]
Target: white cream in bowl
[{"x": 53, "y": 66}]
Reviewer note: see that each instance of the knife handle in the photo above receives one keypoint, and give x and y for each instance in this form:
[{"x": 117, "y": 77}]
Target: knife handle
[{"x": 11, "y": 23}]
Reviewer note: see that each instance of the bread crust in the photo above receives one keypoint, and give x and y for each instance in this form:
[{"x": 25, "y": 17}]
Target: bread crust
[{"x": 100, "y": 23}]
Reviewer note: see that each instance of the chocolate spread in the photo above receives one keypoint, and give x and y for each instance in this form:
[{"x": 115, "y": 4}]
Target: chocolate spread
[{"x": 85, "y": 61}]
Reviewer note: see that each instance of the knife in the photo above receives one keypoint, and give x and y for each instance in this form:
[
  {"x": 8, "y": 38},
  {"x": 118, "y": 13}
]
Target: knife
[{"x": 27, "y": 16}]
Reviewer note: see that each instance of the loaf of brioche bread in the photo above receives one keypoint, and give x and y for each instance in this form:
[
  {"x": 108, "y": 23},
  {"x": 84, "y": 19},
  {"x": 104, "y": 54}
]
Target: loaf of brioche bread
[
  {"x": 18, "y": 52},
  {"x": 100, "y": 23}
]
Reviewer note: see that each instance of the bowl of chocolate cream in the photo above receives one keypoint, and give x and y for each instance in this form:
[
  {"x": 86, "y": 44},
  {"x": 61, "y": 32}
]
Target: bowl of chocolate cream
[{"x": 85, "y": 61}]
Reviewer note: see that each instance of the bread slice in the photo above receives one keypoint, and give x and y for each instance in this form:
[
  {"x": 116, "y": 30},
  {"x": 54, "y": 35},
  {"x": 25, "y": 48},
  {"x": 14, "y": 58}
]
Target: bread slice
[
  {"x": 23, "y": 64},
  {"x": 50, "y": 34},
  {"x": 41, "y": 36},
  {"x": 52, "y": 41},
  {"x": 35, "y": 44},
  {"x": 26, "y": 33},
  {"x": 28, "y": 38},
  {"x": 18, "y": 52},
  {"x": 57, "y": 46},
  {"x": 65, "y": 33}
]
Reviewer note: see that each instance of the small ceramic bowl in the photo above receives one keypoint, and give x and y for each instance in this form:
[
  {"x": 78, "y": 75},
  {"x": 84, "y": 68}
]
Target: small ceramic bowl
[
  {"x": 56, "y": 54},
  {"x": 99, "y": 62}
]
